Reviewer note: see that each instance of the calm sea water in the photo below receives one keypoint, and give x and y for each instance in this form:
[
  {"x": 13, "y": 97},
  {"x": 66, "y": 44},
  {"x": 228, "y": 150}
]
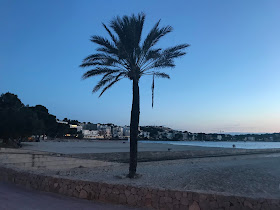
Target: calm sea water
[{"x": 223, "y": 144}]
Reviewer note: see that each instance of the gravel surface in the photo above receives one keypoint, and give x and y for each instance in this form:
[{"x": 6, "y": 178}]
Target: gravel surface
[{"x": 250, "y": 175}]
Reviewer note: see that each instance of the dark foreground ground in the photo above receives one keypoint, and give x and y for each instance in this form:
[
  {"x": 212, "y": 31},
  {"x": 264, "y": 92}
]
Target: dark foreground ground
[{"x": 17, "y": 198}]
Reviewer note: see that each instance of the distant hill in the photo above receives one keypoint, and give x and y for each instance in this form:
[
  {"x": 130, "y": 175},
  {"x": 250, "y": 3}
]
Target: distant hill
[{"x": 242, "y": 133}]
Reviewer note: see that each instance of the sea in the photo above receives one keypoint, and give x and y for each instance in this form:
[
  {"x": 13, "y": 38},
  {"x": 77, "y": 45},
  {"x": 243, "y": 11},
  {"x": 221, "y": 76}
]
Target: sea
[{"x": 223, "y": 144}]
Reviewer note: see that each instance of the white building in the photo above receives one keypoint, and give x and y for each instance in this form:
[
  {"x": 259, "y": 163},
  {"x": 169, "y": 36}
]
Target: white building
[
  {"x": 108, "y": 133},
  {"x": 126, "y": 131},
  {"x": 117, "y": 132},
  {"x": 219, "y": 137},
  {"x": 94, "y": 134},
  {"x": 145, "y": 134}
]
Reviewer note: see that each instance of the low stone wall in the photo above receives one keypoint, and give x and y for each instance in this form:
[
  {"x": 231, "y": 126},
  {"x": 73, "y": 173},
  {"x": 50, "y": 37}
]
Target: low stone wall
[{"x": 134, "y": 196}]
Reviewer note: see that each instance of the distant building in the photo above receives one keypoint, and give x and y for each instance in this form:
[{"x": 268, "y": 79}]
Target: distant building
[
  {"x": 90, "y": 126},
  {"x": 250, "y": 138},
  {"x": 126, "y": 131},
  {"x": 117, "y": 132},
  {"x": 209, "y": 137},
  {"x": 144, "y": 134},
  {"x": 185, "y": 136},
  {"x": 91, "y": 134},
  {"x": 170, "y": 135},
  {"x": 108, "y": 133},
  {"x": 219, "y": 137},
  {"x": 201, "y": 136},
  {"x": 192, "y": 136},
  {"x": 61, "y": 122},
  {"x": 78, "y": 127}
]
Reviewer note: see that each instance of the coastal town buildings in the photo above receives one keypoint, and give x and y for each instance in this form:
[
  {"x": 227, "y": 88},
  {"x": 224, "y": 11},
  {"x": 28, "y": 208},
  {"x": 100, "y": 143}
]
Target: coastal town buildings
[{"x": 111, "y": 131}]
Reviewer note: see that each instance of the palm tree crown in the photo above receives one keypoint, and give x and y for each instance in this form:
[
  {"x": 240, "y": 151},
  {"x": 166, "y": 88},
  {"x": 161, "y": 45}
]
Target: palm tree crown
[{"x": 126, "y": 56}]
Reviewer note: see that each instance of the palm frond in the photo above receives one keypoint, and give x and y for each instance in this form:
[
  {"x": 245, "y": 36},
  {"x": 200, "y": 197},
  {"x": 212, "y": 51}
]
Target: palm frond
[
  {"x": 154, "y": 36},
  {"x": 157, "y": 74},
  {"x": 152, "y": 54},
  {"x": 88, "y": 64},
  {"x": 98, "y": 71},
  {"x": 93, "y": 57},
  {"x": 163, "y": 63},
  {"x": 129, "y": 31},
  {"x": 161, "y": 75},
  {"x": 175, "y": 52},
  {"x": 117, "y": 78},
  {"x": 165, "y": 59},
  {"x": 115, "y": 39},
  {"x": 102, "y": 83},
  {"x": 105, "y": 43},
  {"x": 100, "y": 59}
]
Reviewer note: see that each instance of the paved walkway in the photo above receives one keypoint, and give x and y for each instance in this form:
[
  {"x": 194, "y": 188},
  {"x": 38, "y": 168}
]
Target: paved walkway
[{"x": 13, "y": 197}]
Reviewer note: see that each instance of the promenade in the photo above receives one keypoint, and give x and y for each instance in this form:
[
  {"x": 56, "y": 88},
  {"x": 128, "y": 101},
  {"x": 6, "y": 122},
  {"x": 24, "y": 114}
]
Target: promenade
[{"x": 15, "y": 197}]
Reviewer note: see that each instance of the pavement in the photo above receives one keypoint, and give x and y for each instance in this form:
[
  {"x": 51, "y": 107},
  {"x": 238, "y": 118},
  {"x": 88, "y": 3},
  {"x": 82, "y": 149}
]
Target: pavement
[{"x": 14, "y": 197}]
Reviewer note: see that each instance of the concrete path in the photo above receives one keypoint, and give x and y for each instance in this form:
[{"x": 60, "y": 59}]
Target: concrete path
[{"x": 13, "y": 197}]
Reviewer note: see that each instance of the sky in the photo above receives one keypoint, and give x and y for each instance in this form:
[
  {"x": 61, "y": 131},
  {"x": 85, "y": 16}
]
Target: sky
[{"x": 227, "y": 82}]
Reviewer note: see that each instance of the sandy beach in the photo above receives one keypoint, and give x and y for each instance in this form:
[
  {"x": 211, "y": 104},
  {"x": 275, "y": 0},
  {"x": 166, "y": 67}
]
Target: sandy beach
[
  {"x": 253, "y": 175},
  {"x": 107, "y": 146},
  {"x": 256, "y": 176}
]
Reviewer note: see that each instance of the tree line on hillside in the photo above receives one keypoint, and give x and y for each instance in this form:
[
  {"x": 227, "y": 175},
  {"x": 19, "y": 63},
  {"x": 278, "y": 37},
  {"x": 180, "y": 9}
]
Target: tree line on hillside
[{"x": 19, "y": 121}]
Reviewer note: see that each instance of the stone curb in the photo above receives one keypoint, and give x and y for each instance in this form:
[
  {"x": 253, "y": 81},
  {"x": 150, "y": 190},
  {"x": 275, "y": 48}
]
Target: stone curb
[{"x": 135, "y": 196}]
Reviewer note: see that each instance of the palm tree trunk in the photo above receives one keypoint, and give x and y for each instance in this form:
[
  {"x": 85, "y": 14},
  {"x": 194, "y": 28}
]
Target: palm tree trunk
[{"x": 134, "y": 123}]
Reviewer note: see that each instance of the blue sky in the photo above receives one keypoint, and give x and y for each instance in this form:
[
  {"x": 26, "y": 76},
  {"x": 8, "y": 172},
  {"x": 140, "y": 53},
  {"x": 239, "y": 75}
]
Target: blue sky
[{"x": 228, "y": 81}]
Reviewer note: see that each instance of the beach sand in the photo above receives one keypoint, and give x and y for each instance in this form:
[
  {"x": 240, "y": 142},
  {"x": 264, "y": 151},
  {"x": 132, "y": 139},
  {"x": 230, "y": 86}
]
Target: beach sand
[
  {"x": 105, "y": 146},
  {"x": 253, "y": 175}
]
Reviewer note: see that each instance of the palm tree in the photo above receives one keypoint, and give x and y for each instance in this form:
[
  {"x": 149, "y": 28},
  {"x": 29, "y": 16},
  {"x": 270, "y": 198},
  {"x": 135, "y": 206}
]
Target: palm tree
[{"x": 126, "y": 56}]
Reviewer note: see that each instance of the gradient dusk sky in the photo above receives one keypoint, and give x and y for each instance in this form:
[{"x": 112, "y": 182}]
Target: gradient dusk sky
[{"x": 229, "y": 80}]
